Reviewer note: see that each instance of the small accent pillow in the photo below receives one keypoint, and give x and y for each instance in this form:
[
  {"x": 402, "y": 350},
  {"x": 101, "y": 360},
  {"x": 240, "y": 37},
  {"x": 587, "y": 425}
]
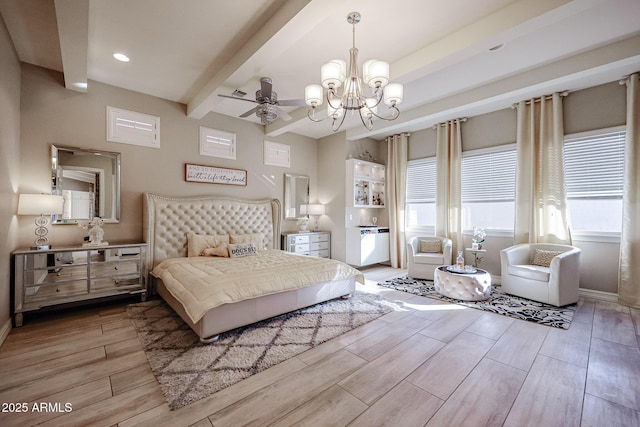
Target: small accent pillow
[
  {"x": 197, "y": 243},
  {"x": 221, "y": 250},
  {"x": 543, "y": 258},
  {"x": 240, "y": 250},
  {"x": 255, "y": 238},
  {"x": 430, "y": 246}
]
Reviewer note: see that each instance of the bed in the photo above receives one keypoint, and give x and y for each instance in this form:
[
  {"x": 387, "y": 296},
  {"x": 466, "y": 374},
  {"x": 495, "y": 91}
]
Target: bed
[{"x": 168, "y": 220}]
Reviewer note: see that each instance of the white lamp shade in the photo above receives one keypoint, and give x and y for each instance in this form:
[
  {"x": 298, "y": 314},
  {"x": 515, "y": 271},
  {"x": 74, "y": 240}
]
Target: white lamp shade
[
  {"x": 316, "y": 209},
  {"x": 333, "y": 73},
  {"x": 40, "y": 204},
  {"x": 313, "y": 95},
  {"x": 376, "y": 73},
  {"x": 393, "y": 93}
]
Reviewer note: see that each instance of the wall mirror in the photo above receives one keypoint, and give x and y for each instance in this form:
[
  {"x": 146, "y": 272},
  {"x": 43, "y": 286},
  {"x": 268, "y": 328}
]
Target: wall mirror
[
  {"x": 89, "y": 182},
  {"x": 296, "y": 194}
]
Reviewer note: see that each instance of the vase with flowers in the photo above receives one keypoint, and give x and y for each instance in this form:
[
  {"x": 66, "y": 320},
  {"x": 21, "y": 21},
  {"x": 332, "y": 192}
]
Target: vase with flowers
[
  {"x": 303, "y": 223},
  {"x": 478, "y": 237}
]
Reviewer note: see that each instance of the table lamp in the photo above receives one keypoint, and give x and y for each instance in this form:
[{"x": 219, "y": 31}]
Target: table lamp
[
  {"x": 316, "y": 210},
  {"x": 40, "y": 204}
]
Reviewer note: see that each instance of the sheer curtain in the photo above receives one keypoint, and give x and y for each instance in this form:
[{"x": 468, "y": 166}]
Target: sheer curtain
[
  {"x": 541, "y": 197},
  {"x": 396, "y": 189},
  {"x": 629, "y": 272},
  {"x": 448, "y": 180}
]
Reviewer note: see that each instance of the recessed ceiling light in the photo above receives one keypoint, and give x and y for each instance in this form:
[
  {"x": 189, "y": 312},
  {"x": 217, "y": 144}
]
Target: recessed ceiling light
[
  {"x": 121, "y": 57},
  {"x": 497, "y": 47}
]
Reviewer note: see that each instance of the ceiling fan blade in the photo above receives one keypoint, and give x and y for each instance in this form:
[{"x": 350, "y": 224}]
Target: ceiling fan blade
[
  {"x": 292, "y": 102},
  {"x": 266, "y": 87},
  {"x": 239, "y": 99},
  {"x": 250, "y": 112},
  {"x": 283, "y": 114}
]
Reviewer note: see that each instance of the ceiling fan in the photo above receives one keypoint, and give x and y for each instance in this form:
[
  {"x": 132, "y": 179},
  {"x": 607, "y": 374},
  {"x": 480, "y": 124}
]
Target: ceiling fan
[{"x": 268, "y": 108}]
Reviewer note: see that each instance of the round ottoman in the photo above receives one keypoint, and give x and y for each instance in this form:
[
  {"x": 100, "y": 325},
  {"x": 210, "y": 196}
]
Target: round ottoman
[{"x": 463, "y": 286}]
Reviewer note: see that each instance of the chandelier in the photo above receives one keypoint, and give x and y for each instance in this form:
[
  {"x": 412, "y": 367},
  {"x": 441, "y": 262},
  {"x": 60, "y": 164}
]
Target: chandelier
[{"x": 333, "y": 74}]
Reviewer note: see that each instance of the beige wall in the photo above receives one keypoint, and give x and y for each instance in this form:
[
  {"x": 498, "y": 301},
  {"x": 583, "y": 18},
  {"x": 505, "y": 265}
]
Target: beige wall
[
  {"x": 593, "y": 108},
  {"x": 9, "y": 172},
  {"x": 52, "y": 114}
]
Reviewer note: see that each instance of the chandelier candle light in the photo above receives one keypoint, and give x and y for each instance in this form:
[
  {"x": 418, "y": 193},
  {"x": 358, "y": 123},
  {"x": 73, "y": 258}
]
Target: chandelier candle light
[{"x": 333, "y": 74}]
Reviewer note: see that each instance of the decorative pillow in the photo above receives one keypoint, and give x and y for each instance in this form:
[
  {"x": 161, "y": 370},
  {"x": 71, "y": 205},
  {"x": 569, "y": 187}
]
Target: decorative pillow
[
  {"x": 543, "y": 258},
  {"x": 221, "y": 250},
  {"x": 197, "y": 243},
  {"x": 240, "y": 250},
  {"x": 255, "y": 238},
  {"x": 430, "y": 246}
]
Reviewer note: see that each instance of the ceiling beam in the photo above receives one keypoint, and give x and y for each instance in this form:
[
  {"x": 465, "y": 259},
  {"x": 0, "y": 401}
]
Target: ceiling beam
[
  {"x": 72, "y": 17},
  {"x": 199, "y": 105}
]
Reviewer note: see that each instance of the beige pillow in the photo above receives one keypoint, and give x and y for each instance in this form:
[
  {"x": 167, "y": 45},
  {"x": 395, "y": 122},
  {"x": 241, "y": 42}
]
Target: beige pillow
[
  {"x": 543, "y": 258},
  {"x": 430, "y": 246},
  {"x": 255, "y": 238},
  {"x": 240, "y": 250},
  {"x": 197, "y": 243}
]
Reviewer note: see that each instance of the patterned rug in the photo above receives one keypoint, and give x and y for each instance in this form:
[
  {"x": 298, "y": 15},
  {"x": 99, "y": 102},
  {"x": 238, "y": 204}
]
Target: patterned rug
[
  {"x": 188, "y": 370},
  {"x": 498, "y": 302}
]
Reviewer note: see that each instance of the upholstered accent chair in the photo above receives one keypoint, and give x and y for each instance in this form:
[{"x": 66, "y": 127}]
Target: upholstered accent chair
[
  {"x": 542, "y": 272},
  {"x": 425, "y": 254}
]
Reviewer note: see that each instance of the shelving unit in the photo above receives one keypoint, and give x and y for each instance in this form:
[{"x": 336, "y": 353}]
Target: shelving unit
[{"x": 365, "y": 184}]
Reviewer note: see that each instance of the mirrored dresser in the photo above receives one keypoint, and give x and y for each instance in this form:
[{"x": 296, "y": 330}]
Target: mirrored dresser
[
  {"x": 314, "y": 243},
  {"x": 47, "y": 278}
]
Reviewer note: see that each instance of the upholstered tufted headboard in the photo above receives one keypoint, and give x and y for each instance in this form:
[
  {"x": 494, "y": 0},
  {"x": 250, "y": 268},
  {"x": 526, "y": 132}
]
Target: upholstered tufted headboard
[{"x": 168, "y": 220}]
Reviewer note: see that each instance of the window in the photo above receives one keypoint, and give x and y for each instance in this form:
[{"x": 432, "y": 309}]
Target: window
[
  {"x": 421, "y": 193},
  {"x": 129, "y": 127},
  {"x": 216, "y": 143},
  {"x": 594, "y": 174},
  {"x": 488, "y": 188},
  {"x": 276, "y": 154}
]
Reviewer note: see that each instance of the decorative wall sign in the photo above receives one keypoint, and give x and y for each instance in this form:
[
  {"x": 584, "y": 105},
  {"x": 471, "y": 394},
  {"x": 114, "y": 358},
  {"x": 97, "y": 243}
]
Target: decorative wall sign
[{"x": 214, "y": 175}]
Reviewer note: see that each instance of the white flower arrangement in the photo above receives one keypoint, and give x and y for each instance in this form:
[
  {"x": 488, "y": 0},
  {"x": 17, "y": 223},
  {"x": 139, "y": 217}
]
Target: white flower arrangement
[{"x": 479, "y": 234}]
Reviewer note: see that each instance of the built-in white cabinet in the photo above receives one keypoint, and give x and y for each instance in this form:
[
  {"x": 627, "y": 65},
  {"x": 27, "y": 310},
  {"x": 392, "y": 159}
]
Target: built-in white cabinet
[
  {"x": 367, "y": 245},
  {"x": 365, "y": 184},
  {"x": 59, "y": 276},
  {"x": 314, "y": 243}
]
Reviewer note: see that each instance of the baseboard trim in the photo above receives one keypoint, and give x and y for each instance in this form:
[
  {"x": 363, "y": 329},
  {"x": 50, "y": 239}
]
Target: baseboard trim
[
  {"x": 4, "y": 332},
  {"x": 599, "y": 295}
]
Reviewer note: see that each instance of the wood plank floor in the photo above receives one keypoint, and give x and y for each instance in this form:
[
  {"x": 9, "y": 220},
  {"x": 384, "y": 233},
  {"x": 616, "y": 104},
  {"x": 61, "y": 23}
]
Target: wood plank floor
[{"x": 426, "y": 363}]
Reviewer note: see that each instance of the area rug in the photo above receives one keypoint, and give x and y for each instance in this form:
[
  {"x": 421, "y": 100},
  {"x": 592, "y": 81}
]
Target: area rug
[
  {"x": 188, "y": 370},
  {"x": 498, "y": 302}
]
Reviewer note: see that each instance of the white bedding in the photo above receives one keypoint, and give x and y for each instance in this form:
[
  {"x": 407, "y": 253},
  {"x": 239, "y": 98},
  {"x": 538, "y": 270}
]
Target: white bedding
[{"x": 202, "y": 283}]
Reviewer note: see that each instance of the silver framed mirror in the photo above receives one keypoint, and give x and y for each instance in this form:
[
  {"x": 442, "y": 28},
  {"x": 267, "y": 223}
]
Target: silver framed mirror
[
  {"x": 89, "y": 182},
  {"x": 296, "y": 195}
]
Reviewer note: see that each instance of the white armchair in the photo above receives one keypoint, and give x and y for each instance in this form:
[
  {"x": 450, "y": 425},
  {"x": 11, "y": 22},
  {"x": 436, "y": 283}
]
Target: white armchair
[
  {"x": 556, "y": 283},
  {"x": 425, "y": 254}
]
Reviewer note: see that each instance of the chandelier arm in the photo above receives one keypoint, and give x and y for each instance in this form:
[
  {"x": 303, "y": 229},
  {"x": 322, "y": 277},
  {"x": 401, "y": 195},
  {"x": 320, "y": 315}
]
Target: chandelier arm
[
  {"x": 311, "y": 116},
  {"x": 368, "y": 125},
  {"x": 333, "y": 127},
  {"x": 395, "y": 115}
]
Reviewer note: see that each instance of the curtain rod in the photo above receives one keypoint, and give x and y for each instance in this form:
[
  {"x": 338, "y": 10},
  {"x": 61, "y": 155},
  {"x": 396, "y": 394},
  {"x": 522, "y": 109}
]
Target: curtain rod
[
  {"x": 462, "y": 119},
  {"x": 528, "y": 102}
]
